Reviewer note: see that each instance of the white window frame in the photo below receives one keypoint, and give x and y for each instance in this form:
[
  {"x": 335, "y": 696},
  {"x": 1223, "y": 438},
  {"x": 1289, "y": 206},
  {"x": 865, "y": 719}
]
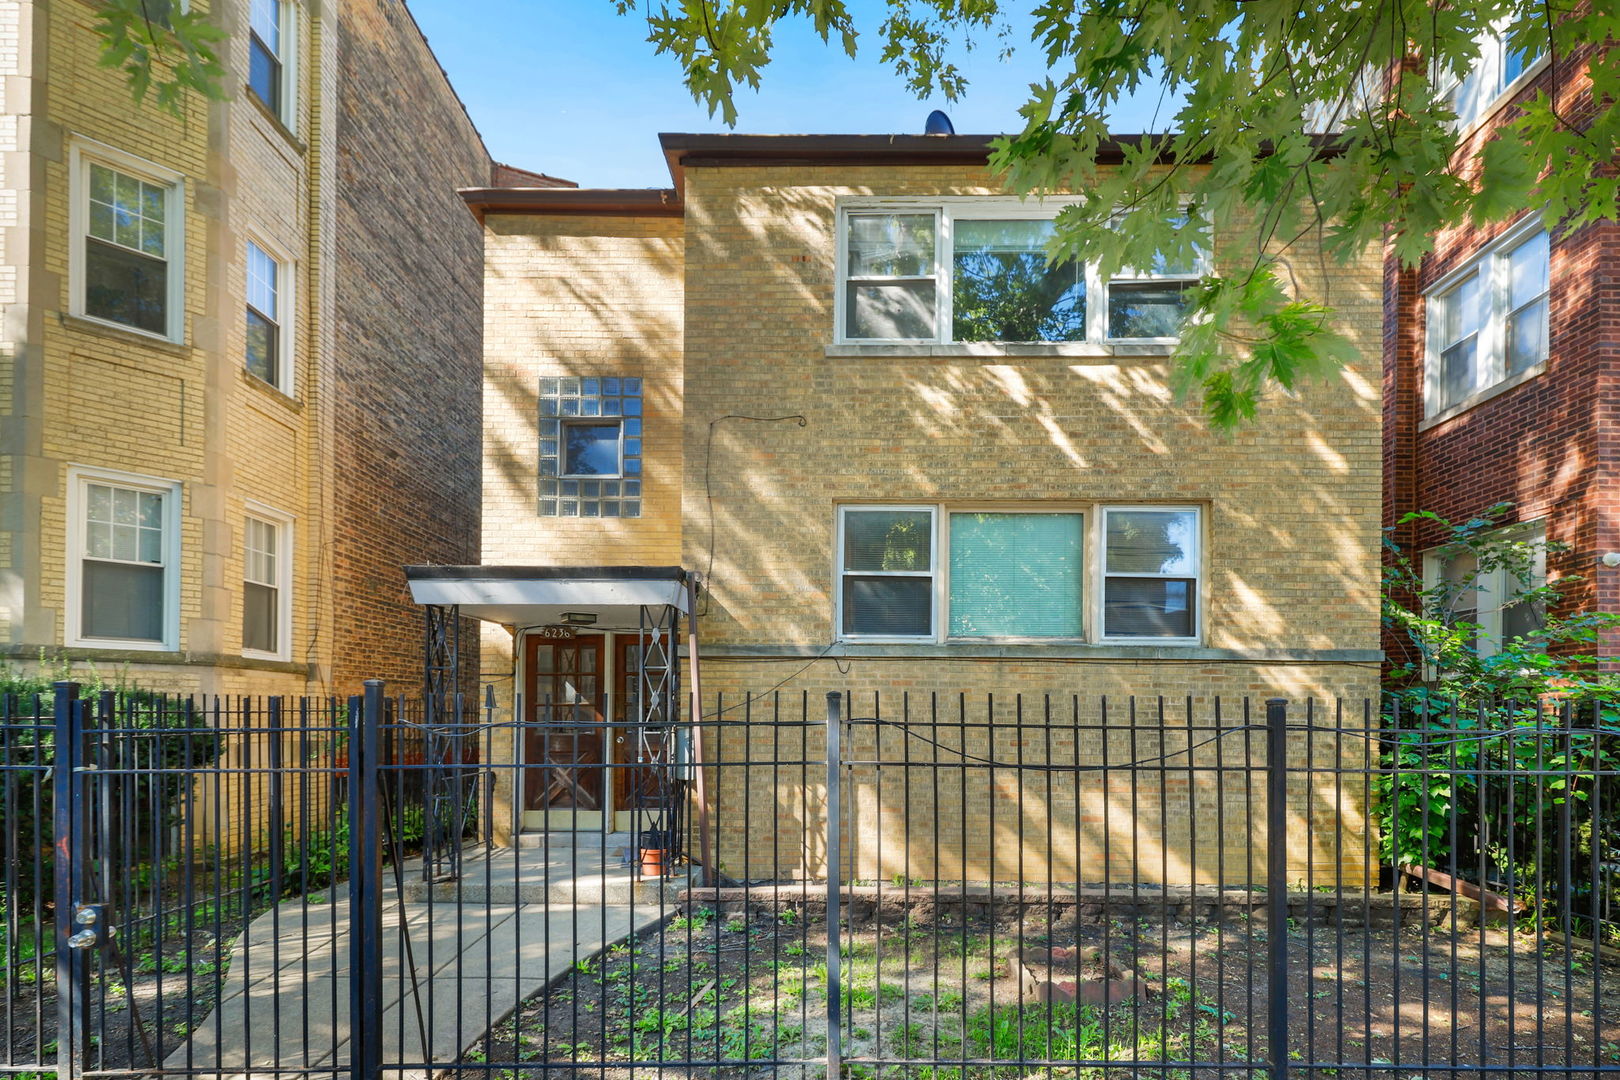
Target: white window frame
[
  {"x": 565, "y": 422},
  {"x": 1093, "y": 565},
  {"x": 935, "y": 573},
  {"x": 1490, "y": 369},
  {"x": 1100, "y": 582},
  {"x": 79, "y": 477},
  {"x": 286, "y": 321},
  {"x": 947, "y": 210},
  {"x": 1496, "y": 586},
  {"x": 286, "y": 110},
  {"x": 82, "y": 153},
  {"x": 1492, "y": 64},
  {"x": 283, "y": 525}
]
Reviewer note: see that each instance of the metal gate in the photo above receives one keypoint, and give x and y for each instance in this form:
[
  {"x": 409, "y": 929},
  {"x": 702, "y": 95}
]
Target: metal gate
[{"x": 919, "y": 887}]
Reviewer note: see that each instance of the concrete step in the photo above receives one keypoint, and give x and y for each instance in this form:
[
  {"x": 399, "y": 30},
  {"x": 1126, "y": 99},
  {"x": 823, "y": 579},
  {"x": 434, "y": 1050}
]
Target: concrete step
[
  {"x": 562, "y": 839},
  {"x": 615, "y": 888}
]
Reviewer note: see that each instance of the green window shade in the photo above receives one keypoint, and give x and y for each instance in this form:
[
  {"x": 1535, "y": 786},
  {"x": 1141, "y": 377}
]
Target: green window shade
[{"x": 1016, "y": 575}]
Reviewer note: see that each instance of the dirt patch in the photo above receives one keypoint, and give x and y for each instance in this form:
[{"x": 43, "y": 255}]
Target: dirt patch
[{"x": 744, "y": 991}]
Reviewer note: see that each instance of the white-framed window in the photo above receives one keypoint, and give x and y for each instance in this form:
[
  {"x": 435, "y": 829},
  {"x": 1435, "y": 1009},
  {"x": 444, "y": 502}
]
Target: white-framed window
[
  {"x": 123, "y": 560},
  {"x": 272, "y": 34},
  {"x": 1151, "y": 573},
  {"x": 975, "y": 270},
  {"x": 266, "y": 583},
  {"x": 1487, "y": 321},
  {"x": 1490, "y": 599},
  {"x": 590, "y": 446},
  {"x": 1499, "y": 73},
  {"x": 126, "y": 261},
  {"x": 268, "y": 348},
  {"x": 941, "y": 573}
]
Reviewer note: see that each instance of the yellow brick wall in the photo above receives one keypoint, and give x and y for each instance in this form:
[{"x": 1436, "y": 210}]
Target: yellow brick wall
[
  {"x": 580, "y": 296},
  {"x": 1291, "y": 513}
]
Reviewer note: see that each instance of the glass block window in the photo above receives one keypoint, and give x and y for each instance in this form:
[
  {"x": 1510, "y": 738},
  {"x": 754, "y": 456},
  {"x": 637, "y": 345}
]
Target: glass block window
[{"x": 590, "y": 447}]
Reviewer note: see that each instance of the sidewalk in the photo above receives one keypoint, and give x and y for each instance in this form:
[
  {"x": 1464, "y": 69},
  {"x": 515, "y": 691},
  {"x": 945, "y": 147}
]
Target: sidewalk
[{"x": 477, "y": 948}]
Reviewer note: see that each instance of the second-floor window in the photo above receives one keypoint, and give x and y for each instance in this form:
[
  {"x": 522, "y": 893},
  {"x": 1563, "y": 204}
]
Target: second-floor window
[
  {"x": 590, "y": 447},
  {"x": 1487, "y": 322},
  {"x": 977, "y": 271},
  {"x": 126, "y": 219}
]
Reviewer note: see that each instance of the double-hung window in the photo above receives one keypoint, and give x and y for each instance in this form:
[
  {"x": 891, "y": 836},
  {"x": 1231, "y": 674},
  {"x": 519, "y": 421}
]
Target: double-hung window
[
  {"x": 976, "y": 270},
  {"x": 270, "y": 46},
  {"x": 947, "y": 574},
  {"x": 125, "y": 265},
  {"x": 266, "y": 567},
  {"x": 1498, "y": 72},
  {"x": 122, "y": 560},
  {"x": 1487, "y": 322},
  {"x": 267, "y": 342},
  {"x": 1491, "y": 601}
]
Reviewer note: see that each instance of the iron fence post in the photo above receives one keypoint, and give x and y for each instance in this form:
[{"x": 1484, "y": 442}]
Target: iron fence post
[
  {"x": 835, "y": 1048},
  {"x": 1277, "y": 888},
  {"x": 365, "y": 887},
  {"x": 72, "y": 959}
]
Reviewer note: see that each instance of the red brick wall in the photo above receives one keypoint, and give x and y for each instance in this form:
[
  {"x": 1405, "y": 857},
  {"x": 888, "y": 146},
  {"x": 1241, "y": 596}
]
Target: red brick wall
[{"x": 1549, "y": 446}]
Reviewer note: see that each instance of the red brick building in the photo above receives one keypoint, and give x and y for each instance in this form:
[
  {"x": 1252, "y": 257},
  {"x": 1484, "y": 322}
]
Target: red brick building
[{"x": 1501, "y": 381}]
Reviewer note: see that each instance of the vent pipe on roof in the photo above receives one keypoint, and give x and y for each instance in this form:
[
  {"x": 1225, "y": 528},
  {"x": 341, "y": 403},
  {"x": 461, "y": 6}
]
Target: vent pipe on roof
[{"x": 938, "y": 124}]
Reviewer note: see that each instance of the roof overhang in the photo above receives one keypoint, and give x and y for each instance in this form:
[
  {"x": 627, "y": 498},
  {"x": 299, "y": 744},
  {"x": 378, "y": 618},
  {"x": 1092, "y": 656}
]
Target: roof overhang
[{"x": 523, "y": 596}]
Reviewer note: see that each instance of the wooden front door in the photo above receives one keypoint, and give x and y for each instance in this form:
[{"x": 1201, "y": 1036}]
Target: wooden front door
[{"x": 565, "y": 694}]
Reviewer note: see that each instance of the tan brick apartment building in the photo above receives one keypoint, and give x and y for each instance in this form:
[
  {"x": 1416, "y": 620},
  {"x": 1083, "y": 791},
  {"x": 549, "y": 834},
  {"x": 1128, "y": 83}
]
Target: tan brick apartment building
[
  {"x": 239, "y": 382},
  {"x": 980, "y": 502},
  {"x": 1500, "y": 374}
]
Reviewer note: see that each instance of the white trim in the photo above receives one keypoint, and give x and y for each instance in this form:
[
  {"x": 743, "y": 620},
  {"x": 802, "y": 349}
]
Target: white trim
[
  {"x": 81, "y": 153},
  {"x": 286, "y": 309},
  {"x": 1446, "y": 83},
  {"x": 946, "y": 210},
  {"x": 1491, "y": 263},
  {"x": 286, "y": 109},
  {"x": 1198, "y": 576},
  {"x": 933, "y": 573},
  {"x": 563, "y": 424},
  {"x": 1094, "y": 574},
  {"x": 1495, "y": 587},
  {"x": 282, "y": 523},
  {"x": 78, "y": 476}
]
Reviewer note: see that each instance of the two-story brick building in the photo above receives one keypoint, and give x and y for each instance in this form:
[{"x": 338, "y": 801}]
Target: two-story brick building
[
  {"x": 239, "y": 382},
  {"x": 1500, "y": 377},
  {"x": 835, "y": 378}
]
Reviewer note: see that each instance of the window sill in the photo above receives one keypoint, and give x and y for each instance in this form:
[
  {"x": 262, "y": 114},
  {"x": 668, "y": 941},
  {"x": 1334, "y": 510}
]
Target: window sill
[
  {"x": 854, "y": 650},
  {"x": 270, "y": 116},
  {"x": 1479, "y": 397},
  {"x": 990, "y": 350},
  {"x": 274, "y": 393},
  {"x": 102, "y": 326}
]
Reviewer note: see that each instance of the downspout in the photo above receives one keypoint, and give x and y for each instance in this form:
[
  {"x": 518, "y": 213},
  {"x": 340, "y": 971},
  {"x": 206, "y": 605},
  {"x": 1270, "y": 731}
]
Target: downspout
[{"x": 693, "y": 579}]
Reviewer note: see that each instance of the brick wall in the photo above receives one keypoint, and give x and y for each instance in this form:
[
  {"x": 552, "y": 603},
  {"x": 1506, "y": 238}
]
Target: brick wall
[
  {"x": 1549, "y": 446},
  {"x": 408, "y": 329}
]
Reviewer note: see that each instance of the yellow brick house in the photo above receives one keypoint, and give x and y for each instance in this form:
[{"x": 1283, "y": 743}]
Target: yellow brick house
[
  {"x": 222, "y": 353},
  {"x": 806, "y": 377}
]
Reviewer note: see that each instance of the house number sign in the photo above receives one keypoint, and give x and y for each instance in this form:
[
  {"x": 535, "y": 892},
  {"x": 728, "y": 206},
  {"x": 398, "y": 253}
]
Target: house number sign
[{"x": 556, "y": 633}]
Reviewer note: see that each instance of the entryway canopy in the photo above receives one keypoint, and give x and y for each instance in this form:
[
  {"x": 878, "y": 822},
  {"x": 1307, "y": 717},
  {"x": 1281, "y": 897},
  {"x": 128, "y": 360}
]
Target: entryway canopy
[{"x": 523, "y": 596}]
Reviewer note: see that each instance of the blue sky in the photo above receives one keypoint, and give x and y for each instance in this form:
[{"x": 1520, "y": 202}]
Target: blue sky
[{"x": 568, "y": 87}]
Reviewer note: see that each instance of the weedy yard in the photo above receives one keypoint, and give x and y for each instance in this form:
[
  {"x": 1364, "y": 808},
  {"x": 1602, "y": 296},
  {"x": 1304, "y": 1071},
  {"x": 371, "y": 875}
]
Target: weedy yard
[{"x": 743, "y": 992}]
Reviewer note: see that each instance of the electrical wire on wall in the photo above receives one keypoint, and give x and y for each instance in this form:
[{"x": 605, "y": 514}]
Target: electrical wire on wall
[{"x": 708, "y": 488}]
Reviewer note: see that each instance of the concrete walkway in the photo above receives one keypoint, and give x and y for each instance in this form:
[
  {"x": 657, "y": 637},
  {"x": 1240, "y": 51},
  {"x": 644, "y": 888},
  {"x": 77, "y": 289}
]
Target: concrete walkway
[{"x": 477, "y": 947}]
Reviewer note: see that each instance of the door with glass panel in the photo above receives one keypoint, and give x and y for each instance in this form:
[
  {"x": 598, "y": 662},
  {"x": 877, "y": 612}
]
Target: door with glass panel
[{"x": 564, "y": 742}]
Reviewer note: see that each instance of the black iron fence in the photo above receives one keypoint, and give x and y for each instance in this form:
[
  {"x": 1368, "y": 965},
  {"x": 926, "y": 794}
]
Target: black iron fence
[{"x": 929, "y": 887}]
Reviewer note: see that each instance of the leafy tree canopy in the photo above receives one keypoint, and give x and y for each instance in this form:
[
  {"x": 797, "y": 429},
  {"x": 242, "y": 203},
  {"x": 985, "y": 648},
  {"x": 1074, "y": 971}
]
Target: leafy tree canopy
[{"x": 1255, "y": 81}]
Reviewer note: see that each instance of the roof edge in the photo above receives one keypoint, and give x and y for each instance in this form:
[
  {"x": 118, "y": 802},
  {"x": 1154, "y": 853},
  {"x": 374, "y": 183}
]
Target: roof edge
[
  {"x": 546, "y": 573},
  {"x": 624, "y": 202}
]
